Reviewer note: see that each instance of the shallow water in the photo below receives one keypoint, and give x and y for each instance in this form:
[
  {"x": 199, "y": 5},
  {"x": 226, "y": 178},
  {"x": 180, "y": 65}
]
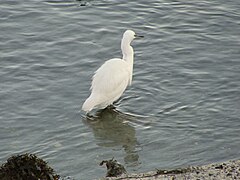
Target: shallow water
[{"x": 182, "y": 108}]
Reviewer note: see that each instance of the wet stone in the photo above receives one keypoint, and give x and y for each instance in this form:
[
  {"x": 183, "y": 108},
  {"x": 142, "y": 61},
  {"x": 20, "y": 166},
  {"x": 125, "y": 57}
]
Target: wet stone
[{"x": 114, "y": 168}]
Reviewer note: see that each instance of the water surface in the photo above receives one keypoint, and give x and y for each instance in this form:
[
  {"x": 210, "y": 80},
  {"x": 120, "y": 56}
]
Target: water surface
[{"x": 182, "y": 108}]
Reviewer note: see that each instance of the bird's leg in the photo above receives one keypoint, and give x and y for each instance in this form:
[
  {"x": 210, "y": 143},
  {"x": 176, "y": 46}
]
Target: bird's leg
[
  {"x": 89, "y": 117},
  {"x": 111, "y": 107}
]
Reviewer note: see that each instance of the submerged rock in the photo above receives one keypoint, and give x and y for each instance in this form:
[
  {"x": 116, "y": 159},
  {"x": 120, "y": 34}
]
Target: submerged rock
[
  {"x": 26, "y": 167},
  {"x": 114, "y": 168}
]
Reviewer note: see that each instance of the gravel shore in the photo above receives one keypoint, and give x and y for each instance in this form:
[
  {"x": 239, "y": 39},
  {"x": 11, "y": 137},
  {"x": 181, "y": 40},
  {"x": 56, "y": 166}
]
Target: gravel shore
[{"x": 220, "y": 171}]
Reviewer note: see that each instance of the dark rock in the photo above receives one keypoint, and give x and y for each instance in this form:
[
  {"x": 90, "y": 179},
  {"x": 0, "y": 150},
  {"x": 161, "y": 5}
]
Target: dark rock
[
  {"x": 219, "y": 167},
  {"x": 114, "y": 168},
  {"x": 26, "y": 167}
]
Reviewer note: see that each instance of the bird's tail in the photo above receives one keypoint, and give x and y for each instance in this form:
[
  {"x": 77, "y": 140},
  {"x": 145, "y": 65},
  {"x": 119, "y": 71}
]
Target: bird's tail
[{"x": 88, "y": 105}]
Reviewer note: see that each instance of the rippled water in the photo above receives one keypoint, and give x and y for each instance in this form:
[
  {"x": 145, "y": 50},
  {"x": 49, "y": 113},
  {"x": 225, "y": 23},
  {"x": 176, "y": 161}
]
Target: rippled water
[{"x": 183, "y": 106}]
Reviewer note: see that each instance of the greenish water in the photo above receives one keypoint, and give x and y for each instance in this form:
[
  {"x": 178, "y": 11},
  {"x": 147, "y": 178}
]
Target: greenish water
[{"x": 182, "y": 108}]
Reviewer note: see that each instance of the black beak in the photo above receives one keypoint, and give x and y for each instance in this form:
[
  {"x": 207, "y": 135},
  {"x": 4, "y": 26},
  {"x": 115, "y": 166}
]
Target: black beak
[{"x": 138, "y": 36}]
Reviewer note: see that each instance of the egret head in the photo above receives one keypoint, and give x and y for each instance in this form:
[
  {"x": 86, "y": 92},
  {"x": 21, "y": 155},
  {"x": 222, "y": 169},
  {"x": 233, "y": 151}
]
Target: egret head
[{"x": 129, "y": 35}]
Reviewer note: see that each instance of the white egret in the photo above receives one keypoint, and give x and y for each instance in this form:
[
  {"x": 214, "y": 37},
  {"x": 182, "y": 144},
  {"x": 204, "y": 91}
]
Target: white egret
[{"x": 112, "y": 78}]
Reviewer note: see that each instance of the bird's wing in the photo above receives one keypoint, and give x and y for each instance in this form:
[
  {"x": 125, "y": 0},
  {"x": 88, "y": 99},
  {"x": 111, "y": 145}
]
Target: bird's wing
[{"x": 112, "y": 77}]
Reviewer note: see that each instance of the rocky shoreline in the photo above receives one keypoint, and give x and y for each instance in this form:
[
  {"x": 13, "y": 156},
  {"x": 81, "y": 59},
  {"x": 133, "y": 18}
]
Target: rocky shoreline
[
  {"x": 30, "y": 167},
  {"x": 218, "y": 171}
]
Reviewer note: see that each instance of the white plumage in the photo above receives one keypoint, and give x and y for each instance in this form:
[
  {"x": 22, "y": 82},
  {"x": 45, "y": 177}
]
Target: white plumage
[{"x": 112, "y": 78}]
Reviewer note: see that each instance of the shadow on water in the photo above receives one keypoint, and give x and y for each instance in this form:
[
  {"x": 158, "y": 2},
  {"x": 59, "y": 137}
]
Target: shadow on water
[{"x": 112, "y": 129}]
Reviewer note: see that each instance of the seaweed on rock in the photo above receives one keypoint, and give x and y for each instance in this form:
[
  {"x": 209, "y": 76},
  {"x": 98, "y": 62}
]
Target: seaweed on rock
[{"x": 26, "y": 167}]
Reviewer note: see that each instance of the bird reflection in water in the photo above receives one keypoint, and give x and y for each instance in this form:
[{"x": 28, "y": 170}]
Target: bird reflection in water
[{"x": 111, "y": 128}]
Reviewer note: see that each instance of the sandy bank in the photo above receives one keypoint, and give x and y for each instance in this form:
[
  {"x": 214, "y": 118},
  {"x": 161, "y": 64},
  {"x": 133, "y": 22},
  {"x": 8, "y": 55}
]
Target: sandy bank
[{"x": 219, "y": 171}]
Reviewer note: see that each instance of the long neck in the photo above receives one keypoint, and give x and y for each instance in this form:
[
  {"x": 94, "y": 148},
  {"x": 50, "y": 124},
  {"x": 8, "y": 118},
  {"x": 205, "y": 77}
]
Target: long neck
[
  {"x": 127, "y": 52},
  {"x": 128, "y": 55}
]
